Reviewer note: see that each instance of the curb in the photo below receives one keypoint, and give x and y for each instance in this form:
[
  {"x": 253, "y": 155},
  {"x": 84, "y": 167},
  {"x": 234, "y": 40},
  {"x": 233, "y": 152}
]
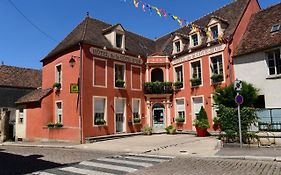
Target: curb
[
  {"x": 38, "y": 146},
  {"x": 257, "y": 158}
]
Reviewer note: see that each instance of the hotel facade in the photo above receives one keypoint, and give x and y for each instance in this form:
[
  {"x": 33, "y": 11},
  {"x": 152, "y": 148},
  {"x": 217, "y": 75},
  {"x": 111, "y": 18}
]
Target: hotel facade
[{"x": 104, "y": 80}]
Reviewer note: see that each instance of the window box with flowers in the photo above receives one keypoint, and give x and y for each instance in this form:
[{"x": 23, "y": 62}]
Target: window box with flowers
[
  {"x": 100, "y": 121},
  {"x": 57, "y": 86},
  {"x": 137, "y": 119},
  {"x": 52, "y": 125},
  {"x": 178, "y": 85},
  {"x": 180, "y": 120},
  {"x": 195, "y": 82},
  {"x": 217, "y": 78},
  {"x": 119, "y": 83}
]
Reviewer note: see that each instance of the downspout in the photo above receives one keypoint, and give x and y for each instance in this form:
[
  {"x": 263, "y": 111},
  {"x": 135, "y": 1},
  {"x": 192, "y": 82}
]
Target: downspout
[
  {"x": 81, "y": 95},
  {"x": 229, "y": 59}
]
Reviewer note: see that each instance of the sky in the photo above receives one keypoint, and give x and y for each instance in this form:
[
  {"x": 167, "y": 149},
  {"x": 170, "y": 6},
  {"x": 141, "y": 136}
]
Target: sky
[{"x": 23, "y": 45}]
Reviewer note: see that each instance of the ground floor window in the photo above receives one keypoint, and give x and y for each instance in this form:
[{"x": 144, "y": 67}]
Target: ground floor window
[
  {"x": 197, "y": 104},
  {"x": 99, "y": 110},
  {"x": 136, "y": 109},
  {"x": 180, "y": 109},
  {"x": 21, "y": 115}
]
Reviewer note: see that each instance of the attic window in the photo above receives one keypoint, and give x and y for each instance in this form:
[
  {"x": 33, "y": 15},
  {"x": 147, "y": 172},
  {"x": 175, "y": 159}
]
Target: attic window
[
  {"x": 195, "y": 41},
  {"x": 178, "y": 46},
  {"x": 119, "y": 40},
  {"x": 275, "y": 28},
  {"x": 215, "y": 32}
]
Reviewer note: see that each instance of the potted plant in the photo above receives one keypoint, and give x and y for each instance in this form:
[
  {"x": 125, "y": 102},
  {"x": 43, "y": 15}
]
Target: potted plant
[
  {"x": 170, "y": 129},
  {"x": 201, "y": 123},
  {"x": 178, "y": 85},
  {"x": 195, "y": 82},
  {"x": 147, "y": 130},
  {"x": 100, "y": 121},
  {"x": 57, "y": 86},
  {"x": 137, "y": 119},
  {"x": 217, "y": 78},
  {"x": 50, "y": 125},
  {"x": 58, "y": 125},
  {"x": 119, "y": 83},
  {"x": 216, "y": 123}
]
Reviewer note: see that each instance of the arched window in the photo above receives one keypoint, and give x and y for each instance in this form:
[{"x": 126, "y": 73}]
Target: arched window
[{"x": 157, "y": 75}]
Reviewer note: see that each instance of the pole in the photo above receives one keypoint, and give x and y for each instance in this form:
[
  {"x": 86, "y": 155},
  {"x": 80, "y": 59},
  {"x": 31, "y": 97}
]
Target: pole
[{"x": 239, "y": 121}]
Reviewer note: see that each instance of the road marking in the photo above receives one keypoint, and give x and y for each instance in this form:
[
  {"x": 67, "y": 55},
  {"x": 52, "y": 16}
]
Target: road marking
[
  {"x": 108, "y": 166},
  {"x": 42, "y": 173},
  {"x": 152, "y": 156},
  {"x": 143, "y": 158},
  {"x": 84, "y": 171},
  {"x": 126, "y": 162}
]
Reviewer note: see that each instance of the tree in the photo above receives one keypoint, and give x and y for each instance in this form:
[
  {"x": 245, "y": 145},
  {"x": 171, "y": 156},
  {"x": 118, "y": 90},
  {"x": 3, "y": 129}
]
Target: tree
[{"x": 226, "y": 95}]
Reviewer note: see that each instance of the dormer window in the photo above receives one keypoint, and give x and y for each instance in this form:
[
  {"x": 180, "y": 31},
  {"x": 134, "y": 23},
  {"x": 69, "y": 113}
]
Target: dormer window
[
  {"x": 194, "y": 40},
  {"x": 178, "y": 46},
  {"x": 119, "y": 40},
  {"x": 275, "y": 28},
  {"x": 215, "y": 32}
]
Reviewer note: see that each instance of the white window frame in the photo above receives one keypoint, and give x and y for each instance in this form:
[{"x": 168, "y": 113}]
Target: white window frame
[
  {"x": 175, "y": 74},
  {"x": 192, "y": 105},
  {"x": 213, "y": 106},
  {"x": 125, "y": 85},
  {"x": 136, "y": 99},
  {"x": 118, "y": 32},
  {"x": 56, "y": 74},
  {"x": 132, "y": 77},
  {"x": 105, "y": 110},
  {"x": 100, "y": 59},
  {"x": 210, "y": 64},
  {"x": 125, "y": 114},
  {"x": 215, "y": 22},
  {"x": 275, "y": 66},
  {"x": 56, "y": 111},
  {"x": 191, "y": 71},
  {"x": 192, "y": 41},
  {"x": 176, "y": 108}
]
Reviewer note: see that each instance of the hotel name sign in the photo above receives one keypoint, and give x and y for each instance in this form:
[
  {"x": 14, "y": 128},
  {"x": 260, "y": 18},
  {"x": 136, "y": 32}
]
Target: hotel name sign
[
  {"x": 115, "y": 56},
  {"x": 199, "y": 54}
]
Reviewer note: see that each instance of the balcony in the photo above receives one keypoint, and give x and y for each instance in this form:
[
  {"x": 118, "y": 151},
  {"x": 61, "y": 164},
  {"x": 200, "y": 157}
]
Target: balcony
[{"x": 158, "y": 88}]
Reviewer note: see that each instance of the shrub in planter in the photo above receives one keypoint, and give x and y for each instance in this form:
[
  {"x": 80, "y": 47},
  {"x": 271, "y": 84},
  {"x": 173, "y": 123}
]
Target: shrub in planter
[
  {"x": 180, "y": 120},
  {"x": 100, "y": 122},
  {"x": 201, "y": 123},
  {"x": 178, "y": 85},
  {"x": 216, "y": 78},
  {"x": 57, "y": 86},
  {"x": 119, "y": 83},
  {"x": 51, "y": 125},
  {"x": 170, "y": 129},
  {"x": 147, "y": 130},
  {"x": 195, "y": 81}
]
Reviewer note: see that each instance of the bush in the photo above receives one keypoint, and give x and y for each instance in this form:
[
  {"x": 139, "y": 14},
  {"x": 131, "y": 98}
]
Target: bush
[
  {"x": 202, "y": 120},
  {"x": 119, "y": 83},
  {"x": 147, "y": 130},
  {"x": 217, "y": 123},
  {"x": 170, "y": 129}
]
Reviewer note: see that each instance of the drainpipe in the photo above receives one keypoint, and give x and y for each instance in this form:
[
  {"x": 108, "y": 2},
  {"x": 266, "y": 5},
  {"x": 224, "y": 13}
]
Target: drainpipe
[
  {"x": 229, "y": 60},
  {"x": 81, "y": 95}
]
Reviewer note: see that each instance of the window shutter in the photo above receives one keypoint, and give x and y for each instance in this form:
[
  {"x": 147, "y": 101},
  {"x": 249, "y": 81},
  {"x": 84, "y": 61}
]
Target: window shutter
[
  {"x": 180, "y": 105},
  {"x": 136, "y": 106},
  {"x": 120, "y": 104},
  {"x": 99, "y": 105}
]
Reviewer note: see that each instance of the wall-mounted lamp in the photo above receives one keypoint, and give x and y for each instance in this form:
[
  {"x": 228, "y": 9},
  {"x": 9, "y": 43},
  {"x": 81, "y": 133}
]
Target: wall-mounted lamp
[{"x": 72, "y": 60}]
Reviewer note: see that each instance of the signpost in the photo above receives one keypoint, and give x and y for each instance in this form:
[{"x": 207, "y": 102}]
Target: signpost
[{"x": 239, "y": 100}]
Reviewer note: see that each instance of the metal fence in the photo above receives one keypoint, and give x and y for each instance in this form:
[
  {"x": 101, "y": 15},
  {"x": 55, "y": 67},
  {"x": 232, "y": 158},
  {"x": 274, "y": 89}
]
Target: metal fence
[{"x": 269, "y": 119}]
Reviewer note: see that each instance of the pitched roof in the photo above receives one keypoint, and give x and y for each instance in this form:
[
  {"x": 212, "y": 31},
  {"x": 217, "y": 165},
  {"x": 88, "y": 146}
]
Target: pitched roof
[
  {"x": 91, "y": 31},
  {"x": 258, "y": 35},
  {"x": 230, "y": 13},
  {"x": 34, "y": 96},
  {"x": 11, "y": 76}
]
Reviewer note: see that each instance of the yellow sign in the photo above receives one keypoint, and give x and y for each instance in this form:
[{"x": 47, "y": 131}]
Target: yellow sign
[{"x": 74, "y": 88}]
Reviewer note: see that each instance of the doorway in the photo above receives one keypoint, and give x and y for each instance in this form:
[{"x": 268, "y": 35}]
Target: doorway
[
  {"x": 119, "y": 115},
  {"x": 158, "y": 116}
]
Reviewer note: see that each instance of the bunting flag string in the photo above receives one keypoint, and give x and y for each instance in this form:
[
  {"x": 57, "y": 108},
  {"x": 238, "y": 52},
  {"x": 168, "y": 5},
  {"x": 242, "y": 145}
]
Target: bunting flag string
[{"x": 182, "y": 22}]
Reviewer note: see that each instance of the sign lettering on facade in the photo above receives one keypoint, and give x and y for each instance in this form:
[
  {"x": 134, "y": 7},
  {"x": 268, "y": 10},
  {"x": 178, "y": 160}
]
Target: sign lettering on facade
[
  {"x": 74, "y": 88},
  {"x": 198, "y": 54},
  {"x": 115, "y": 56}
]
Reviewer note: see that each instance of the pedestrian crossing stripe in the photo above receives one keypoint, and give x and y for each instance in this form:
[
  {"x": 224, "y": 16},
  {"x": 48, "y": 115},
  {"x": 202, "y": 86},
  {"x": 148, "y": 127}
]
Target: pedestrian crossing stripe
[{"x": 115, "y": 165}]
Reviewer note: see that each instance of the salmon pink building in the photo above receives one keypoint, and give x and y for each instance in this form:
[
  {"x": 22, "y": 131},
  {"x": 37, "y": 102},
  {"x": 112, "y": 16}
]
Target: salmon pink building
[{"x": 104, "y": 80}]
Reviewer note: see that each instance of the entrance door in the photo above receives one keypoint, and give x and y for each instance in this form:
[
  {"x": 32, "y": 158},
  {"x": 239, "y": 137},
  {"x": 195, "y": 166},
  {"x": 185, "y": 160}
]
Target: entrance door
[
  {"x": 158, "y": 119},
  {"x": 119, "y": 115},
  {"x": 197, "y": 104}
]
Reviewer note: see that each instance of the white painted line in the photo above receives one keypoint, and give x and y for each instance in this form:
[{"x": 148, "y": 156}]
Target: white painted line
[
  {"x": 144, "y": 158},
  {"x": 42, "y": 173},
  {"x": 84, "y": 171},
  {"x": 126, "y": 162},
  {"x": 149, "y": 155},
  {"x": 108, "y": 166}
]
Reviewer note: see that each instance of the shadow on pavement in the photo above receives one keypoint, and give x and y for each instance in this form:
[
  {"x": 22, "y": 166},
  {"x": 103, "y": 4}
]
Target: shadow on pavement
[{"x": 12, "y": 164}]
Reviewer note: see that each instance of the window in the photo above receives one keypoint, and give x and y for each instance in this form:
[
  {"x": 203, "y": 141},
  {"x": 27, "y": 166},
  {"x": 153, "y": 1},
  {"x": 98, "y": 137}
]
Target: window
[
  {"x": 178, "y": 46},
  {"x": 119, "y": 75},
  {"x": 179, "y": 74},
  {"x": 216, "y": 65},
  {"x": 180, "y": 108},
  {"x": 59, "y": 112},
  {"x": 197, "y": 104},
  {"x": 99, "y": 109},
  {"x": 275, "y": 28},
  {"x": 21, "y": 115},
  {"x": 136, "y": 108},
  {"x": 196, "y": 70},
  {"x": 274, "y": 62},
  {"x": 195, "y": 40},
  {"x": 58, "y": 74},
  {"x": 215, "y": 32},
  {"x": 119, "y": 40}
]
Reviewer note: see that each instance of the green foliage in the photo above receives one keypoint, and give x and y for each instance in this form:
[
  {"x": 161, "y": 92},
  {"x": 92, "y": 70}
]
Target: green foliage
[
  {"x": 158, "y": 87},
  {"x": 202, "y": 120},
  {"x": 137, "y": 120},
  {"x": 119, "y": 83},
  {"x": 51, "y": 125},
  {"x": 58, "y": 125},
  {"x": 178, "y": 85},
  {"x": 147, "y": 130},
  {"x": 170, "y": 129},
  {"x": 195, "y": 81},
  {"x": 100, "y": 121},
  {"x": 180, "y": 119},
  {"x": 57, "y": 85},
  {"x": 216, "y": 78},
  {"x": 226, "y": 96}
]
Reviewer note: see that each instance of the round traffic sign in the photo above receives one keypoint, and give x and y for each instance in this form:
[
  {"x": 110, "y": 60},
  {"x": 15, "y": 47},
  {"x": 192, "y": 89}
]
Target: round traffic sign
[{"x": 239, "y": 99}]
